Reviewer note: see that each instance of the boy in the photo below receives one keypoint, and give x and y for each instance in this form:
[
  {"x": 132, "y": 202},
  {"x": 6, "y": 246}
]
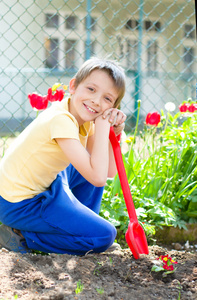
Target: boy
[{"x": 52, "y": 176}]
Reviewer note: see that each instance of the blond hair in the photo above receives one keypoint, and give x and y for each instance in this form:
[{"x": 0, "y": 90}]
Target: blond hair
[{"x": 111, "y": 67}]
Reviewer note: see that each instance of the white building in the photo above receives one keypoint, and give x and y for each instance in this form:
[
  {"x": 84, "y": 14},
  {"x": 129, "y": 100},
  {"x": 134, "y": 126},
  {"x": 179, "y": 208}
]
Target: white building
[{"x": 43, "y": 42}]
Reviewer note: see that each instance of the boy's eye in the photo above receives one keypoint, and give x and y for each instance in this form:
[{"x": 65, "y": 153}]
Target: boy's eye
[
  {"x": 91, "y": 89},
  {"x": 108, "y": 99}
]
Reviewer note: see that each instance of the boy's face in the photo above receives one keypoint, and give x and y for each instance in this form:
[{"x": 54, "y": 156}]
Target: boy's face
[{"x": 92, "y": 96}]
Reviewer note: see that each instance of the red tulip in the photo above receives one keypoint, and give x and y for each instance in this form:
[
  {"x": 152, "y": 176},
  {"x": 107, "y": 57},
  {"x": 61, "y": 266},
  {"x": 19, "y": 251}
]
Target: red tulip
[
  {"x": 58, "y": 96},
  {"x": 41, "y": 102},
  {"x": 191, "y": 108},
  {"x": 50, "y": 95},
  {"x": 37, "y": 101},
  {"x": 184, "y": 107},
  {"x": 153, "y": 119}
]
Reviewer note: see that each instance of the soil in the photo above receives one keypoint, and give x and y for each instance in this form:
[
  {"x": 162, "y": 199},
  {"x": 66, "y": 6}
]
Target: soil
[{"x": 115, "y": 275}]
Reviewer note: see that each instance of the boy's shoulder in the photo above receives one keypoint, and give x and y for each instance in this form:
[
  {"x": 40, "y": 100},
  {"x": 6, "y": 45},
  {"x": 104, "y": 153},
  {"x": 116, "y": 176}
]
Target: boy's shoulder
[{"x": 59, "y": 108}]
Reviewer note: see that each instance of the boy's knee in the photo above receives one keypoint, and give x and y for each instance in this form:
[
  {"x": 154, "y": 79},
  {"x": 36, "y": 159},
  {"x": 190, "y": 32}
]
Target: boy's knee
[
  {"x": 104, "y": 242},
  {"x": 113, "y": 233}
]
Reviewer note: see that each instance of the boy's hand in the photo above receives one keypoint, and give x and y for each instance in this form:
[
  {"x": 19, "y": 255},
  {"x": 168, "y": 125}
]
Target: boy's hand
[
  {"x": 116, "y": 118},
  {"x": 118, "y": 129}
]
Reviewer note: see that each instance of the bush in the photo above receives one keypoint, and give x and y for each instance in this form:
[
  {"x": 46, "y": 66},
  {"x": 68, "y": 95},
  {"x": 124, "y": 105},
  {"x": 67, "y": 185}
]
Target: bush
[{"x": 162, "y": 174}]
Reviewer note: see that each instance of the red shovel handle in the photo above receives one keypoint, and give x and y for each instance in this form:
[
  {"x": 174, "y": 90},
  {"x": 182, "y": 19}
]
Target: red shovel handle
[{"x": 122, "y": 175}]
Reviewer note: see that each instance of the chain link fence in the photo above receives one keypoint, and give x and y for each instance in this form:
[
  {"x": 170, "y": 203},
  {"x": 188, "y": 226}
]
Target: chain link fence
[{"x": 42, "y": 42}]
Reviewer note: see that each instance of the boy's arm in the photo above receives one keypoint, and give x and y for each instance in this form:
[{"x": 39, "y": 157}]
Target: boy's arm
[
  {"x": 94, "y": 166},
  {"x": 118, "y": 128},
  {"x": 112, "y": 170}
]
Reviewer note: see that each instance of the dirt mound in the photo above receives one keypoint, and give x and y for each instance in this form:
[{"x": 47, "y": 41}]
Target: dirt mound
[{"x": 115, "y": 275}]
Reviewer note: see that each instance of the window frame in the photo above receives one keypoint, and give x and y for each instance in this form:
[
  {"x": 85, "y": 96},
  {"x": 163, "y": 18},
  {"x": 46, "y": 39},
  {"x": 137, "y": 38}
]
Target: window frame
[{"x": 64, "y": 34}]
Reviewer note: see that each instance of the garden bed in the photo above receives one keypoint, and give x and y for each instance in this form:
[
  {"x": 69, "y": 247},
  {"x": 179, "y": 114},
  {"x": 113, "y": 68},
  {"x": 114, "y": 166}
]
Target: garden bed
[
  {"x": 115, "y": 275},
  {"x": 170, "y": 234}
]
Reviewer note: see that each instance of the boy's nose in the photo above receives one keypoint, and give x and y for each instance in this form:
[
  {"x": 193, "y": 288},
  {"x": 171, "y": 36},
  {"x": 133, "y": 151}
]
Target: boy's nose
[{"x": 96, "y": 100}]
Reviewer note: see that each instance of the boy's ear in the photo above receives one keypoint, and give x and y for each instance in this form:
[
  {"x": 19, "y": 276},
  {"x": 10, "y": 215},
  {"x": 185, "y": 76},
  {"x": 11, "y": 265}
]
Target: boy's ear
[{"x": 72, "y": 86}]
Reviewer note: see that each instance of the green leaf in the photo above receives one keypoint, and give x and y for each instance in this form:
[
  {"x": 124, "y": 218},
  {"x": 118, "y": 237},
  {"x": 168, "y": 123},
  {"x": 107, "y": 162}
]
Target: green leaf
[
  {"x": 192, "y": 214},
  {"x": 157, "y": 268}
]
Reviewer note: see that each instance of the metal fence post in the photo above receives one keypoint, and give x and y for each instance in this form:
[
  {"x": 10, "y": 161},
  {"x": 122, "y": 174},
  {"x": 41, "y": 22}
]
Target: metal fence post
[
  {"x": 88, "y": 30},
  {"x": 138, "y": 77}
]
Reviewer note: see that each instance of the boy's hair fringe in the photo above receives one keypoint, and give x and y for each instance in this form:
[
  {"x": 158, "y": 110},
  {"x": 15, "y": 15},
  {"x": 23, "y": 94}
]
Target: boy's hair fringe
[{"x": 111, "y": 67}]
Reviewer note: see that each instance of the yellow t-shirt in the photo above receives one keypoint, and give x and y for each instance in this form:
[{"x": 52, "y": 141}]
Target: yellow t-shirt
[{"x": 34, "y": 159}]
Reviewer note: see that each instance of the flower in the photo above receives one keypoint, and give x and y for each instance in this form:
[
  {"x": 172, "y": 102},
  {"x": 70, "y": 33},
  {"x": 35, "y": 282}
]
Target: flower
[
  {"x": 57, "y": 96},
  {"x": 129, "y": 139},
  {"x": 191, "y": 108},
  {"x": 188, "y": 106},
  {"x": 153, "y": 118},
  {"x": 40, "y": 102},
  {"x": 37, "y": 101},
  {"x": 169, "y": 268},
  {"x": 170, "y": 106},
  {"x": 166, "y": 266},
  {"x": 183, "y": 107}
]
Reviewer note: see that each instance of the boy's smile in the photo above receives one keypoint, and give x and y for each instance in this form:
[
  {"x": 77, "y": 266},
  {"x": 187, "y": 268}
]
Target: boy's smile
[
  {"x": 90, "y": 109},
  {"x": 92, "y": 96}
]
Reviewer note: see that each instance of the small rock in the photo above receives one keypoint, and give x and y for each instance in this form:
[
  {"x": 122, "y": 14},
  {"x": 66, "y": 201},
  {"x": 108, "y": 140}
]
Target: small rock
[
  {"x": 156, "y": 262},
  {"x": 175, "y": 282},
  {"x": 177, "y": 246},
  {"x": 4, "y": 250},
  {"x": 186, "y": 245}
]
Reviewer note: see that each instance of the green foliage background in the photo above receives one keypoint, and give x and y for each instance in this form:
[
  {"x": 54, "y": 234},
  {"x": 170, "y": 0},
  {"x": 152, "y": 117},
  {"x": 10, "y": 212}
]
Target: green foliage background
[{"x": 161, "y": 169}]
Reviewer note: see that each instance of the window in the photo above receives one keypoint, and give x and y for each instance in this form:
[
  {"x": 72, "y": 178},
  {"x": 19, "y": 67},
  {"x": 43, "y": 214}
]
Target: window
[
  {"x": 152, "y": 50},
  {"x": 65, "y": 40},
  {"x": 71, "y": 54},
  {"x": 51, "y": 53},
  {"x": 131, "y": 54},
  {"x": 132, "y": 24},
  {"x": 52, "y": 21},
  {"x": 148, "y": 25},
  {"x": 152, "y": 26},
  {"x": 71, "y": 22},
  {"x": 189, "y": 31},
  {"x": 188, "y": 59},
  {"x": 157, "y": 26}
]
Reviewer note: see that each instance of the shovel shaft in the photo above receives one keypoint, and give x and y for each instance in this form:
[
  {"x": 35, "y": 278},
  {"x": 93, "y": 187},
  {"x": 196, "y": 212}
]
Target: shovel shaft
[{"x": 122, "y": 176}]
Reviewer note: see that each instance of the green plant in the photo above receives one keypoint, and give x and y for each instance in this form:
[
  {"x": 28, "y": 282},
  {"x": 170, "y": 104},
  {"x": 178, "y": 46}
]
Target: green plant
[
  {"x": 110, "y": 260},
  {"x": 179, "y": 287},
  {"x": 100, "y": 290},
  {"x": 162, "y": 174},
  {"x": 165, "y": 266},
  {"x": 15, "y": 297},
  {"x": 79, "y": 288},
  {"x": 97, "y": 269}
]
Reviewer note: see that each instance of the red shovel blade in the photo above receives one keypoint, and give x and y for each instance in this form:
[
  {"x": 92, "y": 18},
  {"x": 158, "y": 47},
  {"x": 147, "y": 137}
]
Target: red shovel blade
[{"x": 136, "y": 239}]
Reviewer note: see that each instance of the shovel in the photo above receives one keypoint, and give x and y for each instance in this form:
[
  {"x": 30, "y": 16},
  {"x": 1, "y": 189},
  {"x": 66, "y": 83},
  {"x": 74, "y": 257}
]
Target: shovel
[{"x": 135, "y": 235}]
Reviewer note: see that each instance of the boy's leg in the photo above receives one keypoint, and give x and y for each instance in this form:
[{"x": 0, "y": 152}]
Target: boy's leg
[
  {"x": 11, "y": 240},
  {"x": 84, "y": 191},
  {"x": 57, "y": 222}
]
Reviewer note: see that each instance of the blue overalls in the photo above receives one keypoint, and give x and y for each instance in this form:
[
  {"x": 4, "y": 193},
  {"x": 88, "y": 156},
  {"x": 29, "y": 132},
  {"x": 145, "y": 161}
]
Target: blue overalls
[{"x": 62, "y": 219}]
